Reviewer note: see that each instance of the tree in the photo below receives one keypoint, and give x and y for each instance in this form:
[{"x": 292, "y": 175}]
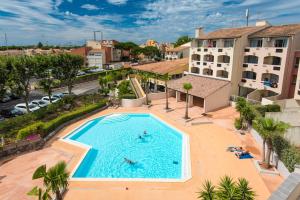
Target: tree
[
  {"x": 44, "y": 71},
  {"x": 40, "y": 193},
  {"x": 166, "y": 78},
  {"x": 208, "y": 192},
  {"x": 182, "y": 40},
  {"x": 66, "y": 67},
  {"x": 145, "y": 76},
  {"x": 55, "y": 179},
  {"x": 150, "y": 51},
  {"x": 40, "y": 45},
  {"x": 227, "y": 190},
  {"x": 243, "y": 190},
  {"x": 3, "y": 76},
  {"x": 187, "y": 87},
  {"x": 268, "y": 128},
  {"x": 23, "y": 70}
]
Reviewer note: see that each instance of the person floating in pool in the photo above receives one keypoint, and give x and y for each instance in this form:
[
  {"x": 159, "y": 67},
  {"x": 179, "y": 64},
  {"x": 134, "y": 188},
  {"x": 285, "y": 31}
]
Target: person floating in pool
[
  {"x": 129, "y": 161},
  {"x": 140, "y": 137},
  {"x": 145, "y": 132}
]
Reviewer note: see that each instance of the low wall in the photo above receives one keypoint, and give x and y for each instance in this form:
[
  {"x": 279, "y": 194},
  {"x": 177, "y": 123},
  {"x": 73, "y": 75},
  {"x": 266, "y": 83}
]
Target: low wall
[
  {"x": 159, "y": 95},
  {"x": 280, "y": 166},
  {"x": 131, "y": 103},
  {"x": 21, "y": 146}
]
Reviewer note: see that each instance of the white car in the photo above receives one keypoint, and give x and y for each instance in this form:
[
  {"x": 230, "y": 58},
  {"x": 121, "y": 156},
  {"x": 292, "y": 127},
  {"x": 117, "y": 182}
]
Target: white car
[
  {"x": 22, "y": 107},
  {"x": 53, "y": 99},
  {"x": 58, "y": 95},
  {"x": 40, "y": 103}
]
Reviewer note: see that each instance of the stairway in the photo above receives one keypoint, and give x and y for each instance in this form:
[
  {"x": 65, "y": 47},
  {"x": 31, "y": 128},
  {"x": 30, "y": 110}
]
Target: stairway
[{"x": 138, "y": 90}]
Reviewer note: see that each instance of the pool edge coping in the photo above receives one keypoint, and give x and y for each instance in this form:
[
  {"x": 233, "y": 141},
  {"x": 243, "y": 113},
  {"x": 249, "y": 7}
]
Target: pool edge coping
[{"x": 185, "y": 154}]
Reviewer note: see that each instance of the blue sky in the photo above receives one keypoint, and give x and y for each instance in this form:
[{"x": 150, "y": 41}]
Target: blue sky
[{"x": 73, "y": 21}]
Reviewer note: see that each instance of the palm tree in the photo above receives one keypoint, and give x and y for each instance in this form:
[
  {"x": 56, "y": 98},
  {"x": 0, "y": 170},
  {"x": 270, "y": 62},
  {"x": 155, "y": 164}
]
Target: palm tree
[
  {"x": 227, "y": 189},
  {"x": 187, "y": 87},
  {"x": 244, "y": 191},
  {"x": 268, "y": 128},
  {"x": 145, "y": 78},
  {"x": 208, "y": 192},
  {"x": 166, "y": 78},
  {"x": 55, "y": 178},
  {"x": 40, "y": 193}
]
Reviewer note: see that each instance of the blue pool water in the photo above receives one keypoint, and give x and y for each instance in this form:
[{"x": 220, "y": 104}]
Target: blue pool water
[{"x": 158, "y": 154}]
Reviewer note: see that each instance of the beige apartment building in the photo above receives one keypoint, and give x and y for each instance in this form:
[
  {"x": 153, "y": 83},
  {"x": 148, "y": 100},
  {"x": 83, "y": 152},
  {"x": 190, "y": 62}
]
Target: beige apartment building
[
  {"x": 178, "y": 52},
  {"x": 258, "y": 61}
]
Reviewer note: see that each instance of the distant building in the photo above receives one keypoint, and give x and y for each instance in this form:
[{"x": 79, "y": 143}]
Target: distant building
[
  {"x": 111, "y": 53},
  {"x": 82, "y": 51},
  {"x": 178, "y": 52},
  {"x": 96, "y": 58},
  {"x": 29, "y": 52}
]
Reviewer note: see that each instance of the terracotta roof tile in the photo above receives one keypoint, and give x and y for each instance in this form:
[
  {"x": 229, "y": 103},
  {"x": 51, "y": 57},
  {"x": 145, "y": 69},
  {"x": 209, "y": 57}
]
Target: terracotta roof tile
[
  {"x": 202, "y": 86},
  {"x": 177, "y": 49},
  {"x": 275, "y": 31},
  {"x": 165, "y": 67},
  {"x": 230, "y": 32}
]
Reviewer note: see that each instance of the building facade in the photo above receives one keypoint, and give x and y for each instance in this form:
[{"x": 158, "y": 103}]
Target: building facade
[
  {"x": 96, "y": 58},
  {"x": 258, "y": 60},
  {"x": 178, "y": 52}
]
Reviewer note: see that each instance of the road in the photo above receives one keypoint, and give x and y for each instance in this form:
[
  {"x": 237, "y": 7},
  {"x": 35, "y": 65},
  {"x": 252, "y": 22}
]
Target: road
[{"x": 82, "y": 88}]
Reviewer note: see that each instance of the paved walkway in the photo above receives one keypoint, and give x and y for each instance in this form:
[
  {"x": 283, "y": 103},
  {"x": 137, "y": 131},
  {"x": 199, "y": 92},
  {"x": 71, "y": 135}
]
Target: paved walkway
[{"x": 209, "y": 160}]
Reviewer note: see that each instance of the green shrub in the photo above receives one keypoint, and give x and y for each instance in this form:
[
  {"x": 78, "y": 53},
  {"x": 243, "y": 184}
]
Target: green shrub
[
  {"x": 290, "y": 157},
  {"x": 35, "y": 128},
  {"x": 272, "y": 108},
  {"x": 51, "y": 125},
  {"x": 279, "y": 144},
  {"x": 238, "y": 123},
  {"x": 267, "y": 108},
  {"x": 128, "y": 96}
]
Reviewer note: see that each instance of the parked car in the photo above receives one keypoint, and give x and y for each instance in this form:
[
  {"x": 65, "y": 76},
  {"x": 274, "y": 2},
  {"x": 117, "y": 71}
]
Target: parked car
[
  {"x": 40, "y": 103},
  {"x": 22, "y": 107},
  {"x": 1, "y": 118},
  {"x": 47, "y": 99},
  {"x": 58, "y": 95},
  {"x": 8, "y": 113},
  {"x": 81, "y": 73}
]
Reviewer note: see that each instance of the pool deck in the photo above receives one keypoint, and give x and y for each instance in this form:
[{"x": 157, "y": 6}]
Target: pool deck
[{"x": 209, "y": 160}]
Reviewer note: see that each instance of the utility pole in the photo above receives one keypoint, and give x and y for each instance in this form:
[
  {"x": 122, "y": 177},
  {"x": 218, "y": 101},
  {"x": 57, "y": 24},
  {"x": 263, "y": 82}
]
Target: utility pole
[
  {"x": 247, "y": 16},
  {"x": 98, "y": 32},
  {"x": 5, "y": 38}
]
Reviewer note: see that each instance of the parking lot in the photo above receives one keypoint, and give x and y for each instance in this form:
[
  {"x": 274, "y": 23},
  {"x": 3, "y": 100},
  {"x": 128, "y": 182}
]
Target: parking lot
[{"x": 82, "y": 88}]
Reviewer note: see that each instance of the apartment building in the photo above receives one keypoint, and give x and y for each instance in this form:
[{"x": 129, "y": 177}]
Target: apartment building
[
  {"x": 296, "y": 81},
  {"x": 178, "y": 52},
  {"x": 258, "y": 61},
  {"x": 268, "y": 69},
  {"x": 219, "y": 54},
  {"x": 96, "y": 58},
  {"x": 111, "y": 53}
]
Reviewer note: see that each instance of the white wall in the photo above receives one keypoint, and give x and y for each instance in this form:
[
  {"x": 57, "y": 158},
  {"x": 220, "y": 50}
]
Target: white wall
[
  {"x": 218, "y": 99},
  {"x": 281, "y": 168},
  {"x": 131, "y": 103}
]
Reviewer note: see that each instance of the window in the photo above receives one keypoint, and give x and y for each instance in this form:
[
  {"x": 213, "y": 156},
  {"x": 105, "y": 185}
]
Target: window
[
  {"x": 276, "y": 61},
  {"x": 214, "y": 43},
  {"x": 228, "y": 43},
  {"x": 256, "y": 43},
  {"x": 249, "y": 75},
  {"x": 199, "y": 43},
  {"x": 280, "y": 43},
  {"x": 297, "y": 62},
  {"x": 251, "y": 59}
]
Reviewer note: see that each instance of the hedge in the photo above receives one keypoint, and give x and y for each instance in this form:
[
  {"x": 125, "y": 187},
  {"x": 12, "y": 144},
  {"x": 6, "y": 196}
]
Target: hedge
[
  {"x": 51, "y": 125},
  {"x": 35, "y": 128},
  {"x": 290, "y": 157},
  {"x": 267, "y": 108},
  {"x": 44, "y": 128}
]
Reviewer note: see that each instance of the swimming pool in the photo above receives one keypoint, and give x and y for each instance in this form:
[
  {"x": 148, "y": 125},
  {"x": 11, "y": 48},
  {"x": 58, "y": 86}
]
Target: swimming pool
[{"x": 131, "y": 146}]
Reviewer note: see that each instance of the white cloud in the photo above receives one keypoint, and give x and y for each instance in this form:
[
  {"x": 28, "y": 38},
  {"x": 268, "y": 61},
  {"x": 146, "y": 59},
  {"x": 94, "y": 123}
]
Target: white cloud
[
  {"x": 117, "y": 2},
  {"x": 90, "y": 7}
]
